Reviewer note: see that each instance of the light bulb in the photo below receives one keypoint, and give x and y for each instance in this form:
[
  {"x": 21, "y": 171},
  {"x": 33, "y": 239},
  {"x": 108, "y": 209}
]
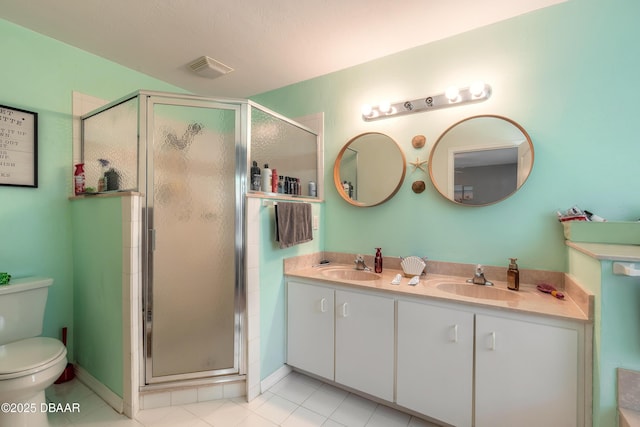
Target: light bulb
[
  {"x": 477, "y": 89},
  {"x": 452, "y": 93},
  {"x": 366, "y": 110},
  {"x": 385, "y": 107}
]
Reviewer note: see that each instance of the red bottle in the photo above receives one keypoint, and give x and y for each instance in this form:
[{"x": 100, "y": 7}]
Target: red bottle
[
  {"x": 78, "y": 179},
  {"x": 378, "y": 260},
  {"x": 274, "y": 181}
]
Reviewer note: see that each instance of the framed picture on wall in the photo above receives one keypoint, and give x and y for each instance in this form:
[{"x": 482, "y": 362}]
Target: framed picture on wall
[{"x": 18, "y": 147}]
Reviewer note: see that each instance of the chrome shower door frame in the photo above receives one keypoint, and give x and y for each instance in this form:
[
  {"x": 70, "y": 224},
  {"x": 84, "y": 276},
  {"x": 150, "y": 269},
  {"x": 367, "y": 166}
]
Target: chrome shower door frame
[{"x": 148, "y": 101}]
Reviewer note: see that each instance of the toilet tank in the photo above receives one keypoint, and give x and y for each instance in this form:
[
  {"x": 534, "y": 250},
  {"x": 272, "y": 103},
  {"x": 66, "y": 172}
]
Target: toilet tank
[{"x": 22, "y": 304}]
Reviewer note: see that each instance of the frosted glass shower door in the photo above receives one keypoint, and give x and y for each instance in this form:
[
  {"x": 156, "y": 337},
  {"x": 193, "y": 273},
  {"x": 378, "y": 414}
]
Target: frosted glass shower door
[{"x": 192, "y": 295}]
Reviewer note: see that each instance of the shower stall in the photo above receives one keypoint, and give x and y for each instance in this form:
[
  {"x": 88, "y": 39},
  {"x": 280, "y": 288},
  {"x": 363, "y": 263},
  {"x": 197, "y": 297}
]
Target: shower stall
[{"x": 188, "y": 157}]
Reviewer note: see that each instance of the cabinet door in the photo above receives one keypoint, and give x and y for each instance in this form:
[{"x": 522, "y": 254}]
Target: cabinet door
[
  {"x": 310, "y": 325},
  {"x": 435, "y": 362},
  {"x": 365, "y": 343},
  {"x": 526, "y": 374}
]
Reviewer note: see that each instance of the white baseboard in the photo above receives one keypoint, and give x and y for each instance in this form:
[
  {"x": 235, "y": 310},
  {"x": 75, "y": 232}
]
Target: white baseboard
[
  {"x": 100, "y": 389},
  {"x": 272, "y": 379}
]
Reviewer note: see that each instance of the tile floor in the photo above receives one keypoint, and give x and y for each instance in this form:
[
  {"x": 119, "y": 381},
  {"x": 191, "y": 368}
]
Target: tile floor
[{"x": 295, "y": 401}]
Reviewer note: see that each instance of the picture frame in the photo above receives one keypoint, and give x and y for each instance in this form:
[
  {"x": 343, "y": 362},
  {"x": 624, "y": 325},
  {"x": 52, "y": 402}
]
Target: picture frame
[{"x": 18, "y": 147}]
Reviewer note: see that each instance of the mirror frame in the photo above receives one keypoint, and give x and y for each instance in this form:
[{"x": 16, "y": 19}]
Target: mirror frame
[
  {"x": 514, "y": 123},
  {"x": 336, "y": 172}
]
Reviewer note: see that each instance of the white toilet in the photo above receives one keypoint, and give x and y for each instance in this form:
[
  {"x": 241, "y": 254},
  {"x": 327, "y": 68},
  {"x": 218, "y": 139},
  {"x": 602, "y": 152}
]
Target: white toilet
[{"x": 28, "y": 363}]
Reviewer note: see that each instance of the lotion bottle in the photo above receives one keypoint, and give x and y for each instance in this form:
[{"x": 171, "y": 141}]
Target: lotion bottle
[
  {"x": 513, "y": 275},
  {"x": 378, "y": 261}
]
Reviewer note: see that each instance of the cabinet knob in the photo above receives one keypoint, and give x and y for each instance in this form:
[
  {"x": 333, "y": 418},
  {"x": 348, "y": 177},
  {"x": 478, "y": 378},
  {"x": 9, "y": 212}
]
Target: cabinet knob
[
  {"x": 454, "y": 330},
  {"x": 345, "y": 309},
  {"x": 492, "y": 346},
  {"x": 323, "y": 305}
]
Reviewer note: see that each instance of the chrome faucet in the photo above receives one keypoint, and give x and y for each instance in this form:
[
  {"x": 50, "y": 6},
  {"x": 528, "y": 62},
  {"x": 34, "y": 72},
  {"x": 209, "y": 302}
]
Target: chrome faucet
[
  {"x": 359, "y": 262},
  {"x": 478, "y": 278}
]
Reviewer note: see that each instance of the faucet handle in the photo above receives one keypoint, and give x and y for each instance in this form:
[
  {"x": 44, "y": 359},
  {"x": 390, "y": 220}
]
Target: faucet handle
[{"x": 479, "y": 269}]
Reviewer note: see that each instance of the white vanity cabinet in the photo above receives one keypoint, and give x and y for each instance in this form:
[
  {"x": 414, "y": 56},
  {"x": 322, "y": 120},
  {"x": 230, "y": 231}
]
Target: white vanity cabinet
[
  {"x": 458, "y": 364},
  {"x": 435, "y": 361},
  {"x": 463, "y": 364},
  {"x": 363, "y": 343},
  {"x": 526, "y": 373},
  {"x": 365, "y": 339},
  {"x": 310, "y": 328}
]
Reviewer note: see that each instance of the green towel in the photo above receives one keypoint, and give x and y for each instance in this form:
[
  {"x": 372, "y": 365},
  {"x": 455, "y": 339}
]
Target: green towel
[{"x": 4, "y": 278}]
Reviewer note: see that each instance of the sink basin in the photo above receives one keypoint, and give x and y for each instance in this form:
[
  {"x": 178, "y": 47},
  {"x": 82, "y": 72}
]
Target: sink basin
[
  {"x": 478, "y": 291},
  {"x": 349, "y": 274}
]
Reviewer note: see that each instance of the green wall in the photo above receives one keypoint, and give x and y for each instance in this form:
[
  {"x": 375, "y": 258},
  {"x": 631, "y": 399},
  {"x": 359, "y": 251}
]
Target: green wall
[
  {"x": 565, "y": 73},
  {"x": 568, "y": 75},
  {"x": 39, "y": 74},
  {"x": 272, "y": 289},
  {"x": 97, "y": 297},
  {"x": 616, "y": 335}
]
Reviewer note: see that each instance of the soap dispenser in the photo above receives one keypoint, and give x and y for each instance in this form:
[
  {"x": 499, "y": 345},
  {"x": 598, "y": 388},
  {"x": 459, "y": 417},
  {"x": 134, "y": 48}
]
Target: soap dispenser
[
  {"x": 378, "y": 261},
  {"x": 513, "y": 275}
]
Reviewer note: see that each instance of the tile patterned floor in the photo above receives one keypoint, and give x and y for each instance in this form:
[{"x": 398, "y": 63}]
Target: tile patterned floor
[{"x": 295, "y": 401}]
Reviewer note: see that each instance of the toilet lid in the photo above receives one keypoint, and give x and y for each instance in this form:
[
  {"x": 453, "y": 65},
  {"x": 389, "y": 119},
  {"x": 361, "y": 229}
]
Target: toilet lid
[{"x": 23, "y": 355}]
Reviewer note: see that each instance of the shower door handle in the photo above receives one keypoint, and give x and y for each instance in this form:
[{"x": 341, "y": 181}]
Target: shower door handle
[{"x": 151, "y": 236}]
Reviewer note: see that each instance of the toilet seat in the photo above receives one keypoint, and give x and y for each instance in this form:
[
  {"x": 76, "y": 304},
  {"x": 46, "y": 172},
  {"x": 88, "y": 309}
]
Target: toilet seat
[{"x": 29, "y": 356}]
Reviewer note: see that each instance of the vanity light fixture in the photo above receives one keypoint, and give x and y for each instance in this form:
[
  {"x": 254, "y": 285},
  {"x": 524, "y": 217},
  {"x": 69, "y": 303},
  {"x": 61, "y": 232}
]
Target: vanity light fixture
[
  {"x": 385, "y": 108},
  {"x": 477, "y": 92},
  {"x": 453, "y": 94}
]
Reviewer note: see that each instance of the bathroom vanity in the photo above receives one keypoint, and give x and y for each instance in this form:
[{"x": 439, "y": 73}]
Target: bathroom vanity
[{"x": 453, "y": 352}]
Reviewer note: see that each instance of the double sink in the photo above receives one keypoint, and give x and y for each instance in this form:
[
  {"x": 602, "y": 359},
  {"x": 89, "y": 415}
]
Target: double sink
[{"x": 456, "y": 288}]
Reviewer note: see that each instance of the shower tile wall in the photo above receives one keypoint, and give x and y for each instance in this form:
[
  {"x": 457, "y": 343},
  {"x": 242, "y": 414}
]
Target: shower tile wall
[
  {"x": 253, "y": 297},
  {"x": 131, "y": 284}
]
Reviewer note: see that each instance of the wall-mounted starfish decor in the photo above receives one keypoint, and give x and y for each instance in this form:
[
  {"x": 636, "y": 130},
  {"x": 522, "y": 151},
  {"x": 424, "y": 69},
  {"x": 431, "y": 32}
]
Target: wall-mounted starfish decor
[{"x": 418, "y": 164}]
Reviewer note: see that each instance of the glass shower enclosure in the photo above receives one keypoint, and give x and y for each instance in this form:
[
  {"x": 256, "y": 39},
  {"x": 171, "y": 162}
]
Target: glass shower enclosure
[{"x": 188, "y": 156}]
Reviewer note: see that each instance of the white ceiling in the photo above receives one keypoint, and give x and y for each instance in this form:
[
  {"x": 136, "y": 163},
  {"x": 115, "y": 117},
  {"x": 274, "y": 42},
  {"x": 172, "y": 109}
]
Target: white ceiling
[{"x": 269, "y": 43}]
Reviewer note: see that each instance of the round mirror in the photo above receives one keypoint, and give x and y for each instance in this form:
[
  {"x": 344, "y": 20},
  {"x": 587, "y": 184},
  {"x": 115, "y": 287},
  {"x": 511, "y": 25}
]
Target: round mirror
[
  {"x": 369, "y": 169},
  {"x": 481, "y": 160}
]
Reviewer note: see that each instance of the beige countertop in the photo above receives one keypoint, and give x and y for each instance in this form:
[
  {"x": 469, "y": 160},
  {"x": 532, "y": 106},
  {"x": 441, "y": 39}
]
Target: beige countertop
[
  {"x": 608, "y": 251},
  {"x": 576, "y": 305}
]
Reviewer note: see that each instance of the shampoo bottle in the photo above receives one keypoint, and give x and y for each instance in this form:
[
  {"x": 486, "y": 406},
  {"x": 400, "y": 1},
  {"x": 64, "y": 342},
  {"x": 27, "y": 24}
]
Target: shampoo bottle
[
  {"x": 266, "y": 178},
  {"x": 256, "y": 180},
  {"x": 281, "y": 184},
  {"x": 378, "y": 260},
  {"x": 513, "y": 275}
]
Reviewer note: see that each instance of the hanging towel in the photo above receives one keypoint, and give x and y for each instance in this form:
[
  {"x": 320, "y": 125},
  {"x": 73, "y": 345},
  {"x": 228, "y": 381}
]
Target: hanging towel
[{"x": 293, "y": 223}]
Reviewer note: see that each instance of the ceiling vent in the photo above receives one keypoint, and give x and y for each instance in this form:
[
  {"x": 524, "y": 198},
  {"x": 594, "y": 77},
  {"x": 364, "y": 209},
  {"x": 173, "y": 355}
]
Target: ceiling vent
[{"x": 209, "y": 67}]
